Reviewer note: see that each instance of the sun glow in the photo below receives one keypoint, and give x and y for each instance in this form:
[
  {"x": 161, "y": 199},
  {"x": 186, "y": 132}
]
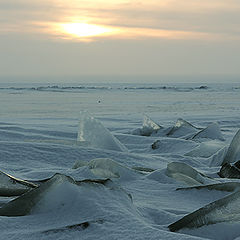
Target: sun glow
[{"x": 85, "y": 30}]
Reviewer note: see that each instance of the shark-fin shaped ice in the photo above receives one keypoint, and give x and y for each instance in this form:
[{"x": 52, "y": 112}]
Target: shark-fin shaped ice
[
  {"x": 223, "y": 210},
  {"x": 233, "y": 152},
  {"x": 96, "y": 135},
  {"x": 217, "y": 158},
  {"x": 11, "y": 186},
  {"x": 185, "y": 173},
  {"x": 212, "y": 131},
  {"x": 182, "y": 128},
  {"x": 148, "y": 127},
  {"x": 230, "y": 171}
]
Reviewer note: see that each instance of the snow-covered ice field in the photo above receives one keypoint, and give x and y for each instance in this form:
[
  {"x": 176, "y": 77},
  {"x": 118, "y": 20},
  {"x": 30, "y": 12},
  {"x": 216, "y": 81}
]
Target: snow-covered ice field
[{"x": 103, "y": 161}]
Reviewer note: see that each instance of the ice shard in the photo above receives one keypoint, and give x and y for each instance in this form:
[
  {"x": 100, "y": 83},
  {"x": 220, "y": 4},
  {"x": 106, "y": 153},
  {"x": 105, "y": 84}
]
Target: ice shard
[
  {"x": 223, "y": 210},
  {"x": 148, "y": 127},
  {"x": 94, "y": 134},
  {"x": 182, "y": 128},
  {"x": 233, "y": 152}
]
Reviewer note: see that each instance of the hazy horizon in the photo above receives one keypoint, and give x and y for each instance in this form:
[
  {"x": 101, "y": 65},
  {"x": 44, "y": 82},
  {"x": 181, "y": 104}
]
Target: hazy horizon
[{"x": 137, "y": 80}]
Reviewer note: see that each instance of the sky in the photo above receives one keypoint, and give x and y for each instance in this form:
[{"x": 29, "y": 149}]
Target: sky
[{"x": 64, "y": 39}]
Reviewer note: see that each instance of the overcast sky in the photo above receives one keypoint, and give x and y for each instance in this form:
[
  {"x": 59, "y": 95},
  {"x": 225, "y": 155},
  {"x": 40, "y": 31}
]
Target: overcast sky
[{"x": 119, "y": 37}]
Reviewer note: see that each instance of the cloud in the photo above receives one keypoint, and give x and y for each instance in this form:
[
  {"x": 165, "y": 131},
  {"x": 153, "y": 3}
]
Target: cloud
[{"x": 171, "y": 19}]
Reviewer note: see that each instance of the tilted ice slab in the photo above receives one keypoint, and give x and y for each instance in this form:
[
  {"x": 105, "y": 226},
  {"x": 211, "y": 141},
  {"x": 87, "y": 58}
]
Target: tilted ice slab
[
  {"x": 94, "y": 134},
  {"x": 213, "y": 131},
  {"x": 217, "y": 158},
  {"x": 107, "y": 168},
  {"x": 233, "y": 153},
  {"x": 182, "y": 128},
  {"x": 223, "y": 210},
  {"x": 230, "y": 170},
  {"x": 148, "y": 127},
  {"x": 227, "y": 154},
  {"x": 11, "y": 186},
  {"x": 186, "y": 174}
]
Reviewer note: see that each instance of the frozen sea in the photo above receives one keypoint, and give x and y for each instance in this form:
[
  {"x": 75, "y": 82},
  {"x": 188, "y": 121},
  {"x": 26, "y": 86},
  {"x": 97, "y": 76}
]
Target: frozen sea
[{"x": 42, "y": 132}]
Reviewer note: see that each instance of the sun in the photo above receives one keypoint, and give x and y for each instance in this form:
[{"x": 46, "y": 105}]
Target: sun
[{"x": 85, "y": 30}]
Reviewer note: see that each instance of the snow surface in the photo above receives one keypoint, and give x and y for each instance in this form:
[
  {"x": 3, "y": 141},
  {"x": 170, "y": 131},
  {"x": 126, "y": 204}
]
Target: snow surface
[{"x": 43, "y": 131}]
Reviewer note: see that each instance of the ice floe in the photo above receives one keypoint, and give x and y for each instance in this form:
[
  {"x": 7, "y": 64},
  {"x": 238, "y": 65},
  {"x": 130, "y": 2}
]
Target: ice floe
[{"x": 148, "y": 127}]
